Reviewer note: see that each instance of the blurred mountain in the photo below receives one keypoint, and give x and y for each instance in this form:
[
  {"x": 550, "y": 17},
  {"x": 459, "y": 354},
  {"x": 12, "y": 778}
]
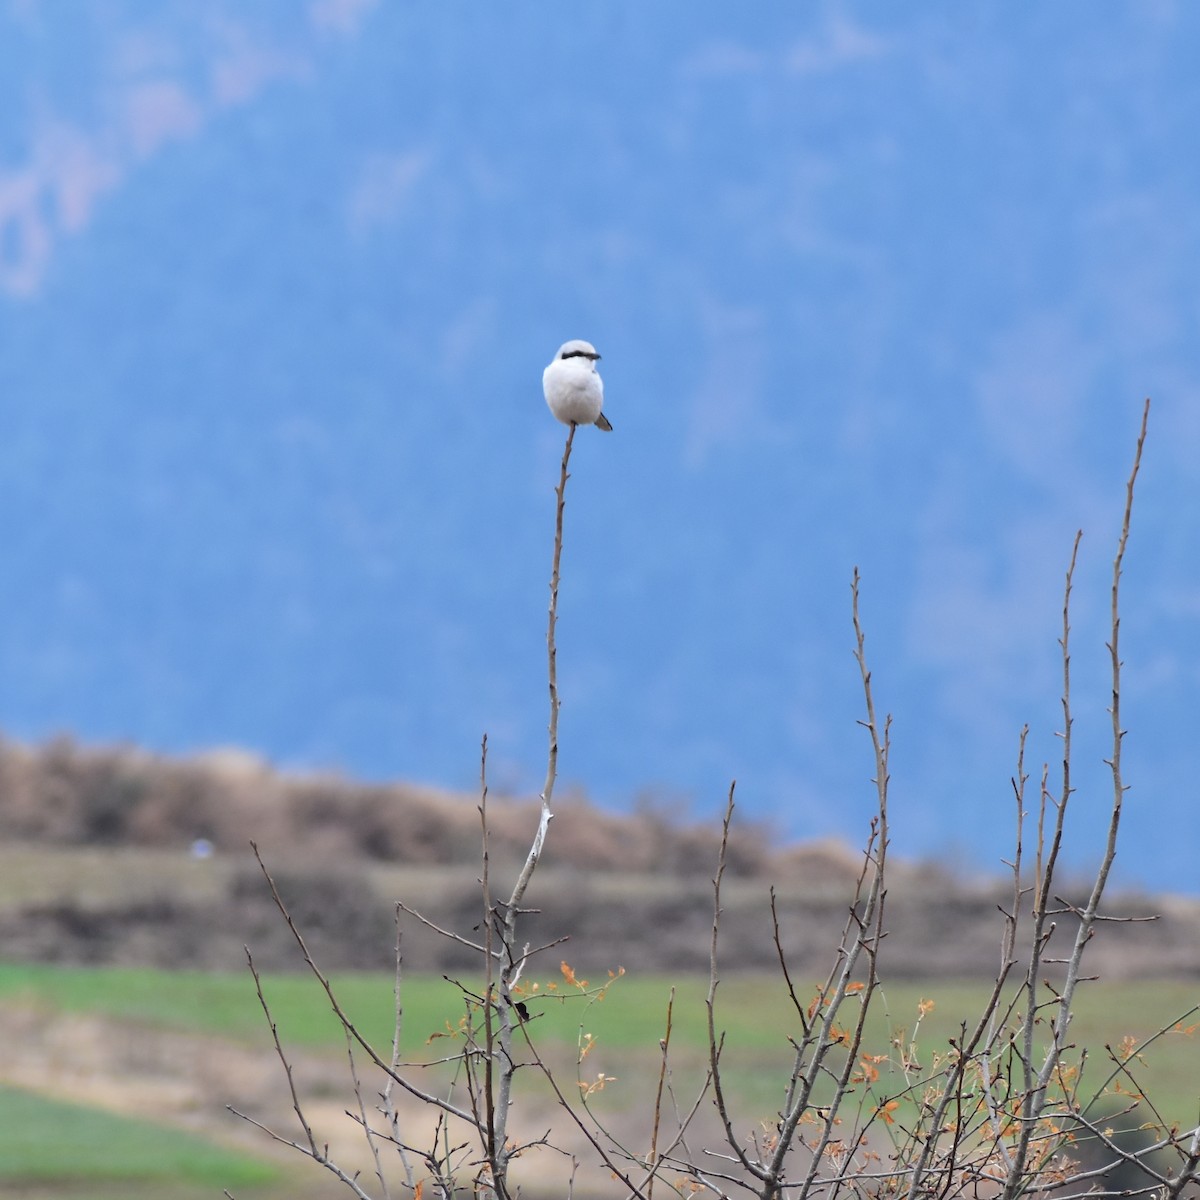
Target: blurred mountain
[{"x": 873, "y": 287}]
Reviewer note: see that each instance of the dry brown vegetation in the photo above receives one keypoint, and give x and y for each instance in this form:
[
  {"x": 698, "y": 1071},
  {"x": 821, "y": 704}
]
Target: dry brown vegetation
[
  {"x": 96, "y": 867},
  {"x": 65, "y": 794}
]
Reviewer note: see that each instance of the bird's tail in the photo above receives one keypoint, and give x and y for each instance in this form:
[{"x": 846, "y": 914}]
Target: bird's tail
[{"x": 602, "y": 422}]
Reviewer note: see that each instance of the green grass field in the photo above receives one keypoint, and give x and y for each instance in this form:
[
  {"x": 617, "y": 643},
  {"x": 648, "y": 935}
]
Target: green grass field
[
  {"x": 753, "y": 1011},
  {"x": 44, "y": 1141},
  {"x": 627, "y": 1024}
]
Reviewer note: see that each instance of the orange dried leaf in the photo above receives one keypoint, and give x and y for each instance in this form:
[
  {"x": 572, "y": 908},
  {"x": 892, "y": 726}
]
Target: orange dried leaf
[{"x": 868, "y": 1073}]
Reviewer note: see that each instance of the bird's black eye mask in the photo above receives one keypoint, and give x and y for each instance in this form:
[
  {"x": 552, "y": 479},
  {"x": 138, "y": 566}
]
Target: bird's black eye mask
[{"x": 580, "y": 354}]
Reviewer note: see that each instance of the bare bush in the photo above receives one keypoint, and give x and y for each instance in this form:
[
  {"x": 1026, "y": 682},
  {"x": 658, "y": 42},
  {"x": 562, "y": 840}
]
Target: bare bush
[{"x": 1009, "y": 1107}]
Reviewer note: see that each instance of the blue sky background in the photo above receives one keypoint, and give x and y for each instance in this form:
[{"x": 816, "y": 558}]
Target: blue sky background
[{"x": 875, "y": 285}]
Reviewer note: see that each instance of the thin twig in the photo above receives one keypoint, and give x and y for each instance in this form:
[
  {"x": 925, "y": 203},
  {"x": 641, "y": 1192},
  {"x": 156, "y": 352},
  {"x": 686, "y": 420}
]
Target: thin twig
[
  {"x": 498, "y": 1133},
  {"x": 389, "y": 1109},
  {"x": 715, "y": 1041},
  {"x": 319, "y": 1154},
  {"x": 489, "y": 1038},
  {"x": 535, "y": 851},
  {"x": 341, "y": 1014},
  {"x": 665, "y": 1046}
]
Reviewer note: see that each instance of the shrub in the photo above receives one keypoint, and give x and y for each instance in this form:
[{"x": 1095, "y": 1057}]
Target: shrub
[{"x": 1001, "y": 1110}]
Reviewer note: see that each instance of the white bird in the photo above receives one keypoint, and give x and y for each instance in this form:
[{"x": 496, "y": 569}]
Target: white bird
[{"x": 573, "y": 387}]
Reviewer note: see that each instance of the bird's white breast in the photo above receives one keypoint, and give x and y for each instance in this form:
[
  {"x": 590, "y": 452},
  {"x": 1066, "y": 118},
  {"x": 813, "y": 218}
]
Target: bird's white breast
[{"x": 574, "y": 390}]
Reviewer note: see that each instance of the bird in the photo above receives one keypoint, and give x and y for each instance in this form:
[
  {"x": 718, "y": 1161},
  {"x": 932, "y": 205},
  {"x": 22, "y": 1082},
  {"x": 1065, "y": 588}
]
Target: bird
[{"x": 573, "y": 387}]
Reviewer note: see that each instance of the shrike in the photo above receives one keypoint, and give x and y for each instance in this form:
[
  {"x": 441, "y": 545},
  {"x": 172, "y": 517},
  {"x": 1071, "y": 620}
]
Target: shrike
[{"x": 573, "y": 387}]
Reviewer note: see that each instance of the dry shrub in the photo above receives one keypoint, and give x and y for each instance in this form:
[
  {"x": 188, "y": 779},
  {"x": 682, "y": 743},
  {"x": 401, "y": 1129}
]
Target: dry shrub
[{"x": 66, "y": 794}]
